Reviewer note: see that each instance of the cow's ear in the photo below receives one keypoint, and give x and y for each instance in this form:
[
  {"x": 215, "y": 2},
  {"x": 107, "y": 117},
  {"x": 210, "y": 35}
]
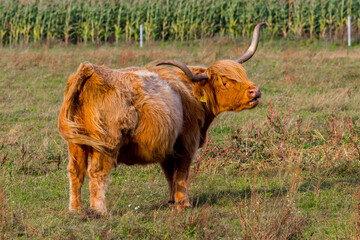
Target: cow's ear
[
  {"x": 204, "y": 81},
  {"x": 199, "y": 92}
]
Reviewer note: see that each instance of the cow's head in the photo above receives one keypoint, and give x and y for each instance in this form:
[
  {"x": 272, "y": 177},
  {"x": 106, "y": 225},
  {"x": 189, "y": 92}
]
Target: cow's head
[{"x": 224, "y": 85}]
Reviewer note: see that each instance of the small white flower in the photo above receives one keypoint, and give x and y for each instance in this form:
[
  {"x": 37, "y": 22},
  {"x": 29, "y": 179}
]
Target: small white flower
[
  {"x": 138, "y": 196},
  {"x": 129, "y": 205}
]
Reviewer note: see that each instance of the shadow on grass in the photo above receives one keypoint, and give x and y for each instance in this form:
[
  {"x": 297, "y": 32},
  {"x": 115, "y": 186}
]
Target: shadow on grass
[
  {"x": 213, "y": 198},
  {"x": 219, "y": 197},
  {"x": 310, "y": 185}
]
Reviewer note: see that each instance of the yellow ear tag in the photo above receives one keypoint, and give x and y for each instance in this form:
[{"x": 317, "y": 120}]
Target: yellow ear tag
[{"x": 203, "y": 99}]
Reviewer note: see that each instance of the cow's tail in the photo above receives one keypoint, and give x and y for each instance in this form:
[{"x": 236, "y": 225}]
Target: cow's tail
[{"x": 69, "y": 127}]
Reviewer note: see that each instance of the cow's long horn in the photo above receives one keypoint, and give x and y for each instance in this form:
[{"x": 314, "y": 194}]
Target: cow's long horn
[
  {"x": 254, "y": 43},
  {"x": 185, "y": 69}
]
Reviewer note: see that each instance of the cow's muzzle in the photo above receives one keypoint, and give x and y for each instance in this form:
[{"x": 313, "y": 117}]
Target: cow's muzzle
[{"x": 254, "y": 94}]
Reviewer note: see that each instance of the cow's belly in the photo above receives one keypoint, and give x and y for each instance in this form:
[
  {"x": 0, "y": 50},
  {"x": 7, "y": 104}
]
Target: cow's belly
[{"x": 132, "y": 154}]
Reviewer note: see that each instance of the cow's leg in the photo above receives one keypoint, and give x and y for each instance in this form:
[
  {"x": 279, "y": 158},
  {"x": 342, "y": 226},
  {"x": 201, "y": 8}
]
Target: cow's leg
[
  {"x": 168, "y": 167},
  {"x": 182, "y": 168},
  {"x": 77, "y": 172},
  {"x": 99, "y": 169}
]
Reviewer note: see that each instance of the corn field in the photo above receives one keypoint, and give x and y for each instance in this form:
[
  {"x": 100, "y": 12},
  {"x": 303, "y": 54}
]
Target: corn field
[{"x": 109, "y": 21}]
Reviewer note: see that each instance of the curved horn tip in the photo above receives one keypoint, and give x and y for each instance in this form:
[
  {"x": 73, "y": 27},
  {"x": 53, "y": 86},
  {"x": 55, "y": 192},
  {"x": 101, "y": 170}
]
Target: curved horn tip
[
  {"x": 253, "y": 45},
  {"x": 258, "y": 26}
]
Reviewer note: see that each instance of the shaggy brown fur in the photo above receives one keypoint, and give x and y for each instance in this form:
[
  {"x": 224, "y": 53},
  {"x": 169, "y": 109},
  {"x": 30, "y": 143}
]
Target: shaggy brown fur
[{"x": 141, "y": 116}]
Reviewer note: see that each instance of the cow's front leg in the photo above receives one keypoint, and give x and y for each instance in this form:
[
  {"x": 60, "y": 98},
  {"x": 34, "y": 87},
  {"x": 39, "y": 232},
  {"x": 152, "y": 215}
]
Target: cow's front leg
[
  {"x": 168, "y": 167},
  {"x": 182, "y": 169},
  {"x": 99, "y": 169},
  {"x": 77, "y": 172}
]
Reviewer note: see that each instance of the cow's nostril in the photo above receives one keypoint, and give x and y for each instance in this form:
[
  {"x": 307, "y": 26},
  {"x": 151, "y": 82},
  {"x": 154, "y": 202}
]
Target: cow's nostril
[{"x": 252, "y": 92}]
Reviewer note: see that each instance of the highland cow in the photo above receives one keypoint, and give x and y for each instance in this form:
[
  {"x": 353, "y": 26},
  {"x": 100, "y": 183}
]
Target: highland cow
[{"x": 147, "y": 115}]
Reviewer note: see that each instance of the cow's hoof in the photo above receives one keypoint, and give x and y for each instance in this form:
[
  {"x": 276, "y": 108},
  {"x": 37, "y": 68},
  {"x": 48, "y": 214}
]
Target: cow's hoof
[
  {"x": 98, "y": 207},
  {"x": 90, "y": 214},
  {"x": 183, "y": 205},
  {"x": 75, "y": 209},
  {"x": 99, "y": 211}
]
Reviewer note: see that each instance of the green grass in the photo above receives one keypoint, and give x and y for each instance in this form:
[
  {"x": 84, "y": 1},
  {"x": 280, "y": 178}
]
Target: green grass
[{"x": 287, "y": 169}]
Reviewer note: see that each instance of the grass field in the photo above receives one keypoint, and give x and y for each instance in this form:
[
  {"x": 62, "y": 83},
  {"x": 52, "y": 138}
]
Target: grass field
[{"x": 288, "y": 169}]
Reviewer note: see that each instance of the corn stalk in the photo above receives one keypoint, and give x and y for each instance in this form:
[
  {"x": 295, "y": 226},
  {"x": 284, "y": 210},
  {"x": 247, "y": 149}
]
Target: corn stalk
[
  {"x": 103, "y": 21},
  {"x": 118, "y": 28}
]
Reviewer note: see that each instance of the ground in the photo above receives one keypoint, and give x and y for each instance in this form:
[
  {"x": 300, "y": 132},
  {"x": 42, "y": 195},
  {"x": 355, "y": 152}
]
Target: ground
[{"x": 287, "y": 169}]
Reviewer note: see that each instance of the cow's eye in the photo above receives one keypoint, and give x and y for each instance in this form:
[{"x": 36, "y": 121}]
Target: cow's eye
[{"x": 226, "y": 84}]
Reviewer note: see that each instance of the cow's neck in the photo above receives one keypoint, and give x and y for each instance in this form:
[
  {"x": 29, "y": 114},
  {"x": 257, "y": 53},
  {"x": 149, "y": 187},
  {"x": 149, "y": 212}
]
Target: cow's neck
[{"x": 208, "y": 118}]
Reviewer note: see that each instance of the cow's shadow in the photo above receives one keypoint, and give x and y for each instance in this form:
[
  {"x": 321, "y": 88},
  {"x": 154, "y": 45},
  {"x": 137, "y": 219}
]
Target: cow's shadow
[{"x": 212, "y": 198}]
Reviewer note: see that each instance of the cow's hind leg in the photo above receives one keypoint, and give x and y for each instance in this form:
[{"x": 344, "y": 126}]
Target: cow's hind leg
[
  {"x": 168, "y": 167},
  {"x": 99, "y": 169},
  {"x": 77, "y": 172},
  {"x": 182, "y": 168}
]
